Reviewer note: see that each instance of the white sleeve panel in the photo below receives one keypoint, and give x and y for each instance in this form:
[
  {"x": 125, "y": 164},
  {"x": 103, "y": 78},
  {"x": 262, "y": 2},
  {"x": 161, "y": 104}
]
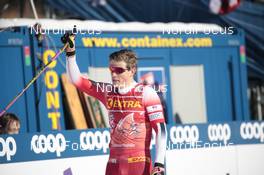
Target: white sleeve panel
[
  {"x": 73, "y": 70},
  {"x": 161, "y": 143}
]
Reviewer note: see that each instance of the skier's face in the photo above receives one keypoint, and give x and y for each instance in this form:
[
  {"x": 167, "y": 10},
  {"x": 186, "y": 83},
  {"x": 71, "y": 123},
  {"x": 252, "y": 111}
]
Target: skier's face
[{"x": 121, "y": 75}]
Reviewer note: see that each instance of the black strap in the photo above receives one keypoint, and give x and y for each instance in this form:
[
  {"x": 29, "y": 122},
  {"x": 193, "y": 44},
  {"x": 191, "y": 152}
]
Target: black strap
[
  {"x": 70, "y": 53},
  {"x": 158, "y": 164}
]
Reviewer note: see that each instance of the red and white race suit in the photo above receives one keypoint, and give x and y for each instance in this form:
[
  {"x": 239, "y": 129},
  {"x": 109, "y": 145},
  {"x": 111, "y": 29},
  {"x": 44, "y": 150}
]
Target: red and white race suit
[{"x": 133, "y": 112}]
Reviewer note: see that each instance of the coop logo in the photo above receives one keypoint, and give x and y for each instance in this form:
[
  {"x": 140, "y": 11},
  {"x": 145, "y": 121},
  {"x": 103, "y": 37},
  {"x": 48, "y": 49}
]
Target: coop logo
[
  {"x": 8, "y": 146},
  {"x": 252, "y": 131},
  {"x": 95, "y": 141},
  {"x": 220, "y": 132},
  {"x": 50, "y": 143},
  {"x": 180, "y": 134}
]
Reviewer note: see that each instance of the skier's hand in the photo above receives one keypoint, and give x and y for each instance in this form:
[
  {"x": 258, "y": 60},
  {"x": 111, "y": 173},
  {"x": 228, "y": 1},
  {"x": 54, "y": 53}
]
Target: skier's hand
[
  {"x": 158, "y": 169},
  {"x": 69, "y": 38}
]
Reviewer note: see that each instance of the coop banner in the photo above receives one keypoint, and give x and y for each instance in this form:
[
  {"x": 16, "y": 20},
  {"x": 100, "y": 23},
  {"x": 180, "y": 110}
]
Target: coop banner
[{"x": 50, "y": 151}]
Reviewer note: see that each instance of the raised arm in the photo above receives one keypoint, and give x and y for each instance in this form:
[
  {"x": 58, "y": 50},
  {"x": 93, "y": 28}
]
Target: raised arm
[
  {"x": 84, "y": 84},
  {"x": 75, "y": 75}
]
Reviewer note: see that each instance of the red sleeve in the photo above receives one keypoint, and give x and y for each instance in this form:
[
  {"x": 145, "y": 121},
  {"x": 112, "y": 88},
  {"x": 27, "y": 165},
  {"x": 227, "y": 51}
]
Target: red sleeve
[
  {"x": 92, "y": 88},
  {"x": 95, "y": 89},
  {"x": 153, "y": 107}
]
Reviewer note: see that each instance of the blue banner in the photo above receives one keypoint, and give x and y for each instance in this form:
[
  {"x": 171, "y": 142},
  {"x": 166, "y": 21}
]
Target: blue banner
[{"x": 78, "y": 143}]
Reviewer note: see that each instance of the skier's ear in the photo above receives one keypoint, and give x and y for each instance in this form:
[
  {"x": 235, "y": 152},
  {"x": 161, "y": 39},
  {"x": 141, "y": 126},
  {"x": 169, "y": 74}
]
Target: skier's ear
[{"x": 133, "y": 70}]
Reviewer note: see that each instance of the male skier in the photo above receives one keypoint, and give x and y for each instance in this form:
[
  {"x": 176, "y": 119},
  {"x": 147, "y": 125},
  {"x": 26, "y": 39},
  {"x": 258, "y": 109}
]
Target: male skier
[{"x": 134, "y": 109}]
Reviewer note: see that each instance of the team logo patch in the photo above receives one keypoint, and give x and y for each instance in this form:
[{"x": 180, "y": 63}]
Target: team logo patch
[
  {"x": 155, "y": 116},
  {"x": 154, "y": 108}
]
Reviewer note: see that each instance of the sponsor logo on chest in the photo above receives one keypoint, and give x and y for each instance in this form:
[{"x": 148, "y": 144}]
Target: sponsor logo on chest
[{"x": 124, "y": 103}]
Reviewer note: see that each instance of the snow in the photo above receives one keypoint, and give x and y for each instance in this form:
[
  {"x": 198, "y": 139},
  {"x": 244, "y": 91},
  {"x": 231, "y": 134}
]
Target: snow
[{"x": 51, "y": 24}]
